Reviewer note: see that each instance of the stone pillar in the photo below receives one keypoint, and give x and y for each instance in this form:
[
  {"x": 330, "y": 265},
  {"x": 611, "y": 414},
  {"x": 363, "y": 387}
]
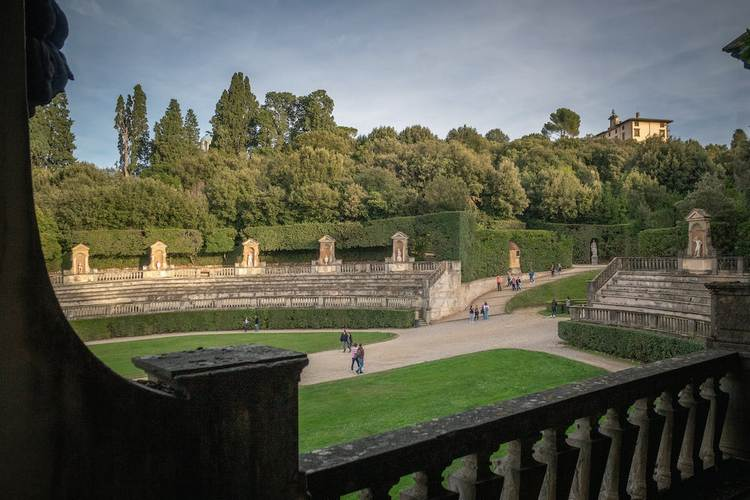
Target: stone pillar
[
  {"x": 730, "y": 329},
  {"x": 79, "y": 259},
  {"x": 245, "y": 409}
]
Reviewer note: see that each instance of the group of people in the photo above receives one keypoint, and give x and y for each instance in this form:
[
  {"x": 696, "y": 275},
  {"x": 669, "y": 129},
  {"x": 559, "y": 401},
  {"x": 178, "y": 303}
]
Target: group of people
[
  {"x": 514, "y": 282},
  {"x": 358, "y": 351},
  {"x": 475, "y": 311},
  {"x": 246, "y": 324},
  {"x": 555, "y": 269}
]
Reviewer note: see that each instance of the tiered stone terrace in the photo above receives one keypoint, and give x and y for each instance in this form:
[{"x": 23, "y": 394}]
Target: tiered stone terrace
[
  {"x": 654, "y": 294},
  {"x": 278, "y": 286}
]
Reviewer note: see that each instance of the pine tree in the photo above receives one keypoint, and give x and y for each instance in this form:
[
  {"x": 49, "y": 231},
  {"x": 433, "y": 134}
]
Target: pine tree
[
  {"x": 235, "y": 116},
  {"x": 192, "y": 130},
  {"x": 170, "y": 140},
  {"x": 138, "y": 133},
  {"x": 51, "y": 136}
]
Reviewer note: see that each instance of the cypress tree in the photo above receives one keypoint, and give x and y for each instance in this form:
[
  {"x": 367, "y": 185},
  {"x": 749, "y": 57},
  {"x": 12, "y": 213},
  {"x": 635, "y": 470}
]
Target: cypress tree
[
  {"x": 51, "y": 136},
  {"x": 138, "y": 133},
  {"x": 192, "y": 130},
  {"x": 235, "y": 116},
  {"x": 170, "y": 141}
]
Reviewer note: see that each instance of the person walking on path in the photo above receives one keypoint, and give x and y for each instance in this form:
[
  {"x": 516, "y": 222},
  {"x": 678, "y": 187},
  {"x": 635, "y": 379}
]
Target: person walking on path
[
  {"x": 246, "y": 324},
  {"x": 343, "y": 338},
  {"x": 499, "y": 286},
  {"x": 349, "y": 341},
  {"x": 257, "y": 323},
  {"x": 354, "y": 357},
  {"x": 532, "y": 277},
  {"x": 476, "y": 313},
  {"x": 360, "y": 358},
  {"x": 554, "y": 308},
  {"x": 486, "y": 311},
  {"x": 471, "y": 313},
  {"x": 567, "y": 305}
]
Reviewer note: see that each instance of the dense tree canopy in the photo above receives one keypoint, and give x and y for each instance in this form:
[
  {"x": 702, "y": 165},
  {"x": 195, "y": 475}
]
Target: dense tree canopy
[{"x": 287, "y": 160}]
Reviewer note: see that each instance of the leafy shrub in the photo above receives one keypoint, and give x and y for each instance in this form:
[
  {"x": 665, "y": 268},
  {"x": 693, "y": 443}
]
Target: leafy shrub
[
  {"x": 662, "y": 242},
  {"x": 178, "y": 241},
  {"x": 639, "y": 345},
  {"x": 612, "y": 240},
  {"x": 111, "y": 242},
  {"x": 49, "y": 235},
  {"x": 194, "y": 321}
]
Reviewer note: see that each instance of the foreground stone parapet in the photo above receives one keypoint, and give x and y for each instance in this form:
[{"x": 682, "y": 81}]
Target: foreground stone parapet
[{"x": 244, "y": 394}]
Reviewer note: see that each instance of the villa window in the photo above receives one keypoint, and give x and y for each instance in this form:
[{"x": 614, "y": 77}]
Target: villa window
[
  {"x": 636, "y": 132},
  {"x": 662, "y": 133},
  {"x": 636, "y": 124}
]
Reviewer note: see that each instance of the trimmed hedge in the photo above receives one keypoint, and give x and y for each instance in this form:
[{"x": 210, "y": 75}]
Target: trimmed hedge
[
  {"x": 612, "y": 240},
  {"x": 221, "y": 240},
  {"x": 135, "y": 242},
  {"x": 231, "y": 319},
  {"x": 540, "y": 250},
  {"x": 638, "y": 345},
  {"x": 662, "y": 242}
]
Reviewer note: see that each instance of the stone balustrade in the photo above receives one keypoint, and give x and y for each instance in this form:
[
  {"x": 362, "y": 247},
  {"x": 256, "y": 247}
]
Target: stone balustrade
[
  {"x": 638, "y": 433},
  {"x": 642, "y": 320},
  {"x": 302, "y": 302}
]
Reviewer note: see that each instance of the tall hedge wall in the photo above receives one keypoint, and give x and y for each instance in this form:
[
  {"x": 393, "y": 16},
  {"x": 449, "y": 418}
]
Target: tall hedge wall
[
  {"x": 662, "y": 242},
  {"x": 540, "y": 250},
  {"x": 135, "y": 242},
  {"x": 612, "y": 240}
]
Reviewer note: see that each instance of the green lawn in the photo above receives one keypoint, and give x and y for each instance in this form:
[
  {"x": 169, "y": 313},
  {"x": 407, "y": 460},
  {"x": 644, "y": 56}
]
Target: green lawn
[
  {"x": 341, "y": 411},
  {"x": 574, "y": 287},
  {"x": 117, "y": 355}
]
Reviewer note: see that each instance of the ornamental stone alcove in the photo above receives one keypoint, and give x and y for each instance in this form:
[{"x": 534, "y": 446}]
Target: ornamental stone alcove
[
  {"x": 158, "y": 257},
  {"x": 700, "y": 256},
  {"x": 514, "y": 258},
  {"x": 250, "y": 263},
  {"x": 327, "y": 262},
  {"x": 399, "y": 260},
  {"x": 80, "y": 259}
]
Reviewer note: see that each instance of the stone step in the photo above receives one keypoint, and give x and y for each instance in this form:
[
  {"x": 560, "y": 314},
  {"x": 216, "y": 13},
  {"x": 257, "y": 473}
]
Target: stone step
[
  {"x": 667, "y": 295},
  {"x": 705, "y": 317},
  {"x": 659, "y": 305},
  {"x": 658, "y": 285}
]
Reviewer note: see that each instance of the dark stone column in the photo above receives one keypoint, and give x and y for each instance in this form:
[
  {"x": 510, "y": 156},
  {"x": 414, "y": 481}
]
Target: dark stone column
[
  {"x": 730, "y": 329},
  {"x": 245, "y": 412}
]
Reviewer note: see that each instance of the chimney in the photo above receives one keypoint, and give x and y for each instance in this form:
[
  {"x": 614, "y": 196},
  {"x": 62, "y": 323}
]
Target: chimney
[
  {"x": 613, "y": 120},
  {"x": 637, "y": 114}
]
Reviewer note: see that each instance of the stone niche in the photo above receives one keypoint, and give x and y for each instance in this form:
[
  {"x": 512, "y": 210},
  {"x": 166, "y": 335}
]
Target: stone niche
[
  {"x": 400, "y": 259},
  {"x": 514, "y": 258},
  {"x": 327, "y": 262},
  {"x": 158, "y": 257},
  {"x": 79, "y": 265},
  {"x": 700, "y": 256},
  {"x": 250, "y": 263}
]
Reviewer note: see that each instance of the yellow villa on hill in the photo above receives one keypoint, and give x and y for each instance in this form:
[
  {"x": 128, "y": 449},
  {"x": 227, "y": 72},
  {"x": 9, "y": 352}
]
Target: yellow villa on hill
[{"x": 637, "y": 128}]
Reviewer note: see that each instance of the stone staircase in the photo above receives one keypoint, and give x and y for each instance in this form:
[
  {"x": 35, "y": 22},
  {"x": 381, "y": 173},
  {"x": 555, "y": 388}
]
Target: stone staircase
[{"x": 660, "y": 292}]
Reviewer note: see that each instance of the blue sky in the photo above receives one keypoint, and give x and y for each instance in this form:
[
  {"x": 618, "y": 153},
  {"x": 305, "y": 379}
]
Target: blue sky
[{"x": 437, "y": 63}]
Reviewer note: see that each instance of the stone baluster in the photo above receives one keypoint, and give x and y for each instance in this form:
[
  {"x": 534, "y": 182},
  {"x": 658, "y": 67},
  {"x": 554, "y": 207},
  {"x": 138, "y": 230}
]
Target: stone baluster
[
  {"x": 666, "y": 473},
  {"x": 428, "y": 485},
  {"x": 379, "y": 492},
  {"x": 687, "y": 458},
  {"x": 622, "y": 440},
  {"x": 735, "y": 440},
  {"x": 642, "y": 415},
  {"x": 709, "y": 452},
  {"x": 560, "y": 459},
  {"x": 522, "y": 475},
  {"x": 475, "y": 479}
]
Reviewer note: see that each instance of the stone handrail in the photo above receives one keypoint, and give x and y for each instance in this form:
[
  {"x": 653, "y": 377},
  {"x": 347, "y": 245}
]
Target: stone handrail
[
  {"x": 426, "y": 265},
  {"x": 736, "y": 265},
  {"x": 661, "y": 431},
  {"x": 642, "y": 320},
  {"x": 601, "y": 279},
  {"x": 319, "y": 302}
]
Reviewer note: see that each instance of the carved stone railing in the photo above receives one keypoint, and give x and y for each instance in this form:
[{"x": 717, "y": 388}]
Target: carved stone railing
[
  {"x": 733, "y": 265},
  {"x": 312, "y": 302},
  {"x": 641, "y": 320},
  {"x": 603, "y": 277},
  {"x": 636, "y": 433},
  {"x": 56, "y": 278},
  {"x": 427, "y": 265},
  {"x": 124, "y": 275}
]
